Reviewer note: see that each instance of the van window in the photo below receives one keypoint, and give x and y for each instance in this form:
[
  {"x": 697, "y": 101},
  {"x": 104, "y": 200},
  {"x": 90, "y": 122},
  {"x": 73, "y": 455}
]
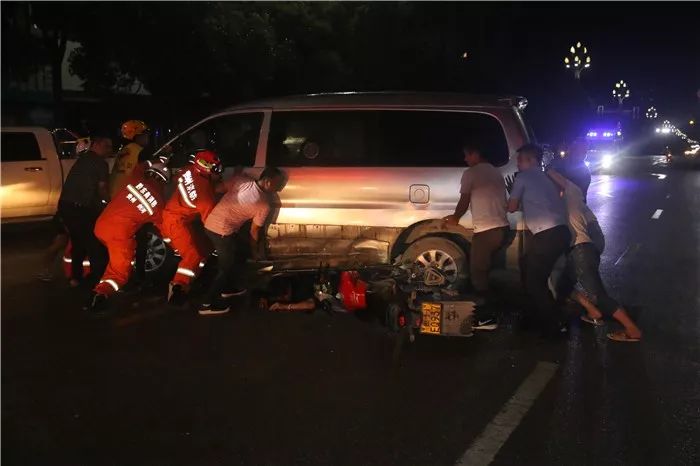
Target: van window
[
  {"x": 233, "y": 137},
  {"x": 19, "y": 147},
  {"x": 382, "y": 138},
  {"x": 321, "y": 139},
  {"x": 435, "y": 139}
]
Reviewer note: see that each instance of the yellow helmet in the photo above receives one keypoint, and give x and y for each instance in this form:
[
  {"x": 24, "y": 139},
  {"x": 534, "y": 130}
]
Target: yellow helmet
[{"x": 132, "y": 128}]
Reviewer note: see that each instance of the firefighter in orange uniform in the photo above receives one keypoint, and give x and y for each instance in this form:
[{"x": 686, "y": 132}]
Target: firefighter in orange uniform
[
  {"x": 194, "y": 197},
  {"x": 141, "y": 201},
  {"x": 136, "y": 132}
]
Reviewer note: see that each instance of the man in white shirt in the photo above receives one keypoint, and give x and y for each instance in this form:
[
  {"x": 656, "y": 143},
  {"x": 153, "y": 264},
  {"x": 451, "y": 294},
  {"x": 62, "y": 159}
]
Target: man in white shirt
[
  {"x": 583, "y": 263},
  {"x": 244, "y": 200},
  {"x": 483, "y": 190}
]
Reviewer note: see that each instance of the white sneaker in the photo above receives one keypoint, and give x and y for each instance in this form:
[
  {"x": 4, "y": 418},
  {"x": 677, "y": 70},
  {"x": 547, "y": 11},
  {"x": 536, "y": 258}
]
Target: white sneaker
[{"x": 209, "y": 310}]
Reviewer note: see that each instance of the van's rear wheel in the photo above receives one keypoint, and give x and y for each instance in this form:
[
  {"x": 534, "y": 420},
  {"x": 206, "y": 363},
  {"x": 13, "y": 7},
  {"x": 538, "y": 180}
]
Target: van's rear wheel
[{"x": 442, "y": 254}]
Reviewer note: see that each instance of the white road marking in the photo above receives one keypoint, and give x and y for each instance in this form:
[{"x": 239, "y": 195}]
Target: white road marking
[
  {"x": 660, "y": 176},
  {"x": 484, "y": 449},
  {"x": 668, "y": 196},
  {"x": 622, "y": 255},
  {"x": 629, "y": 251},
  {"x": 657, "y": 214}
]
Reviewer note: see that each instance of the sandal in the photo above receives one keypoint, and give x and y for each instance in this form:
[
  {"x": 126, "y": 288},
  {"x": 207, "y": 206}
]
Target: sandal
[
  {"x": 621, "y": 335},
  {"x": 592, "y": 321}
]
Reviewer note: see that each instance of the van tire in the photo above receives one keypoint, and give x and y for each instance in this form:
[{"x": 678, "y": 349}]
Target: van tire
[{"x": 444, "y": 253}]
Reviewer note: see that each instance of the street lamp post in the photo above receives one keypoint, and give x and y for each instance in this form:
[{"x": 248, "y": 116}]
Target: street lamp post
[
  {"x": 577, "y": 59},
  {"x": 621, "y": 91}
]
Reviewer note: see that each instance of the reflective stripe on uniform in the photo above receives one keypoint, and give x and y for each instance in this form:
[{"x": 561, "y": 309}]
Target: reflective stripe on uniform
[
  {"x": 184, "y": 271},
  {"x": 142, "y": 200},
  {"x": 111, "y": 283},
  {"x": 166, "y": 240},
  {"x": 183, "y": 194},
  {"x": 68, "y": 260}
]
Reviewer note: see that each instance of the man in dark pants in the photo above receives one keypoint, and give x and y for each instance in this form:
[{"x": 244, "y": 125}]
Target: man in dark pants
[
  {"x": 244, "y": 200},
  {"x": 483, "y": 191},
  {"x": 544, "y": 212},
  {"x": 84, "y": 194}
]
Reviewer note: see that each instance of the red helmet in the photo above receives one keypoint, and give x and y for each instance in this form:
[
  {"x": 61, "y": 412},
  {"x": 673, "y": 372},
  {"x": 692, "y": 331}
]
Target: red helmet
[{"x": 206, "y": 162}]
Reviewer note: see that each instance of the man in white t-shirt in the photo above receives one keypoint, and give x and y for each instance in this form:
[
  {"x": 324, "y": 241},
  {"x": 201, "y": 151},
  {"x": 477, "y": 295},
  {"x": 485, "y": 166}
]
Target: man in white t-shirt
[
  {"x": 483, "y": 190},
  {"x": 244, "y": 200},
  {"x": 583, "y": 263}
]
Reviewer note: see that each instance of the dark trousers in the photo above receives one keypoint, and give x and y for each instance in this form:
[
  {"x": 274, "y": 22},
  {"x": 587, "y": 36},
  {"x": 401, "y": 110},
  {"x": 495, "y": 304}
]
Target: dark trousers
[
  {"x": 80, "y": 223},
  {"x": 484, "y": 245},
  {"x": 230, "y": 266},
  {"x": 544, "y": 249}
]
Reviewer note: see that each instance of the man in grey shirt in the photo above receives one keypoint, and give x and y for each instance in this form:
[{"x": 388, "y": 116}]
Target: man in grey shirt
[
  {"x": 545, "y": 216},
  {"x": 483, "y": 190}
]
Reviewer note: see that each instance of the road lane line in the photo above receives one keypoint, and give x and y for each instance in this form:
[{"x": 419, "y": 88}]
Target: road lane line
[
  {"x": 622, "y": 255},
  {"x": 657, "y": 214},
  {"x": 484, "y": 449}
]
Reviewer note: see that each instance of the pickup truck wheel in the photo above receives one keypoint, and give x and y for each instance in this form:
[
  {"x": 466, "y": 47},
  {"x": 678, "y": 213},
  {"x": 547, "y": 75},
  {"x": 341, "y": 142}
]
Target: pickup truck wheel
[{"x": 441, "y": 253}]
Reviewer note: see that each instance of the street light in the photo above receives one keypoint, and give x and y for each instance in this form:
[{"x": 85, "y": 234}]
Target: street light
[
  {"x": 651, "y": 113},
  {"x": 620, "y": 91},
  {"x": 577, "y": 59}
]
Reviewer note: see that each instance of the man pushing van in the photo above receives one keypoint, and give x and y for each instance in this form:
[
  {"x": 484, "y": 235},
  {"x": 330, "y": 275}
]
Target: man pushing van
[
  {"x": 483, "y": 190},
  {"x": 244, "y": 200}
]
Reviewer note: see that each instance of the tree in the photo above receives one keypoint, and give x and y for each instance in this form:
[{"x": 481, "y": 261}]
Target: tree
[{"x": 35, "y": 34}]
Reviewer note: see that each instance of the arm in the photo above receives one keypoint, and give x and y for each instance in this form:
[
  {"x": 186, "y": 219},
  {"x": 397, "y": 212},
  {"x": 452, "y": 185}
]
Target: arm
[
  {"x": 460, "y": 210},
  {"x": 103, "y": 191},
  {"x": 516, "y": 194},
  {"x": 513, "y": 204},
  {"x": 255, "y": 228},
  {"x": 557, "y": 178},
  {"x": 465, "y": 190}
]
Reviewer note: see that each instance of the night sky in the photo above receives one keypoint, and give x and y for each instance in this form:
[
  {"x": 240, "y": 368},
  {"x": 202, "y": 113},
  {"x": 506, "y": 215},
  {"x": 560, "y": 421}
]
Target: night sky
[{"x": 654, "y": 47}]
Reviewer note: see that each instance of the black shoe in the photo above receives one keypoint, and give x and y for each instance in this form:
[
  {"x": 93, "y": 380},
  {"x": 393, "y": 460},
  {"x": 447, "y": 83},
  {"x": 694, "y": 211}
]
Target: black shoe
[
  {"x": 97, "y": 304},
  {"x": 212, "y": 310},
  {"x": 176, "y": 295},
  {"x": 484, "y": 320},
  {"x": 232, "y": 293}
]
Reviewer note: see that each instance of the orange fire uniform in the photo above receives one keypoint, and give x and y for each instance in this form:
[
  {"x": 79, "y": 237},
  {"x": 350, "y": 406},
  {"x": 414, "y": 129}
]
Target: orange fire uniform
[
  {"x": 194, "y": 197},
  {"x": 141, "y": 201}
]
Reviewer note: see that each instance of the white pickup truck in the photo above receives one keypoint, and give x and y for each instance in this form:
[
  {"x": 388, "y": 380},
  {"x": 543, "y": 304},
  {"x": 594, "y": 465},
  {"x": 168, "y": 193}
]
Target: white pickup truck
[{"x": 35, "y": 163}]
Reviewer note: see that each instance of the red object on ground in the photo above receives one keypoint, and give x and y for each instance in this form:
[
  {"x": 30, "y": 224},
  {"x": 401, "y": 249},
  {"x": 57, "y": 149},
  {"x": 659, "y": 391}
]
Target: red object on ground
[
  {"x": 67, "y": 262},
  {"x": 353, "y": 291}
]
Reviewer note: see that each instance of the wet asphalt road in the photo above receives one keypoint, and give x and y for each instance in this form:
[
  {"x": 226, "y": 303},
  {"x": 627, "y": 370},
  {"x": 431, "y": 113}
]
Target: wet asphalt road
[{"x": 153, "y": 386}]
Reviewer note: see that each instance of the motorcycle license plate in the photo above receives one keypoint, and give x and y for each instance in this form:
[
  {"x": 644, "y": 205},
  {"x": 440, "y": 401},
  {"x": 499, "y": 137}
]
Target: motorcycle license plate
[{"x": 432, "y": 318}]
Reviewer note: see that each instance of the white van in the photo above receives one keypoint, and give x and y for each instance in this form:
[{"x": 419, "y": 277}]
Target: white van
[{"x": 370, "y": 175}]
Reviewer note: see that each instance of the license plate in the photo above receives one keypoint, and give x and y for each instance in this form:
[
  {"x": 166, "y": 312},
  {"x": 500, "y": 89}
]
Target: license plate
[{"x": 432, "y": 318}]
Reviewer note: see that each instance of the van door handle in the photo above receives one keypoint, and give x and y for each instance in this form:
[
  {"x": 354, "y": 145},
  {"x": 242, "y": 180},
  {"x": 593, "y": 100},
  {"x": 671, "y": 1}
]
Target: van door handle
[{"x": 33, "y": 169}]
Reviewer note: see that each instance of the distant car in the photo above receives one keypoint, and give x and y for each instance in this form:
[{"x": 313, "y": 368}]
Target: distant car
[
  {"x": 603, "y": 149},
  {"x": 683, "y": 155}
]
